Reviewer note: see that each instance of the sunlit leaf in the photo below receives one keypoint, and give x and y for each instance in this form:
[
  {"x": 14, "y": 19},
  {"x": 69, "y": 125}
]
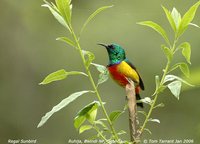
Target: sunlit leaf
[
  {"x": 146, "y": 100},
  {"x": 195, "y": 25},
  {"x": 66, "y": 40},
  {"x": 168, "y": 52},
  {"x": 187, "y": 18},
  {"x": 114, "y": 115},
  {"x": 157, "y": 28},
  {"x": 176, "y": 17},
  {"x": 175, "y": 88},
  {"x": 186, "y": 51},
  {"x": 56, "y": 14},
  {"x": 92, "y": 16},
  {"x": 59, "y": 75},
  {"x": 88, "y": 112},
  {"x": 60, "y": 106},
  {"x": 85, "y": 128},
  {"x": 154, "y": 120},
  {"x": 64, "y": 7},
  {"x": 173, "y": 77},
  {"x": 170, "y": 18}
]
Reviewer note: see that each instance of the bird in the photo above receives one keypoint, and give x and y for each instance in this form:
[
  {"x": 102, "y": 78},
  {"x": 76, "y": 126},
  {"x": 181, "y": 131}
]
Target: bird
[{"x": 121, "y": 69}]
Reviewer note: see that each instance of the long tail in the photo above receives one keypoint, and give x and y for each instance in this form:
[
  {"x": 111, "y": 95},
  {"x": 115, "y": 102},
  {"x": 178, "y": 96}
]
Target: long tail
[{"x": 137, "y": 90}]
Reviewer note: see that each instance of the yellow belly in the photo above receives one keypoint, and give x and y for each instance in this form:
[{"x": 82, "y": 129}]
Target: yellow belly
[{"x": 128, "y": 71}]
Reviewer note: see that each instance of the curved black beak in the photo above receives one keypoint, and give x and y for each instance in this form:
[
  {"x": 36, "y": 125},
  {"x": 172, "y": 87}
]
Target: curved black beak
[{"x": 102, "y": 44}]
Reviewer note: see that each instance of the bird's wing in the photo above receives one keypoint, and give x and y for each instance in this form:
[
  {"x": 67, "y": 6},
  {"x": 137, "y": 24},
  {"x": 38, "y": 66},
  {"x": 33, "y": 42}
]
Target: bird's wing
[{"x": 140, "y": 79}]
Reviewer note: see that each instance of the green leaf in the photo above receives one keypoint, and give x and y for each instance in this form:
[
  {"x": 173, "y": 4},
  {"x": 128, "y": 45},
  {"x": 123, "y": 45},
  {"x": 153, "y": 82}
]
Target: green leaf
[
  {"x": 90, "y": 57},
  {"x": 60, "y": 106},
  {"x": 157, "y": 28},
  {"x": 115, "y": 114},
  {"x": 194, "y": 79},
  {"x": 92, "y": 16},
  {"x": 65, "y": 7},
  {"x": 184, "y": 68},
  {"x": 187, "y": 18},
  {"x": 168, "y": 52},
  {"x": 88, "y": 112},
  {"x": 66, "y": 40},
  {"x": 55, "y": 76},
  {"x": 59, "y": 75},
  {"x": 170, "y": 18},
  {"x": 84, "y": 128},
  {"x": 174, "y": 67},
  {"x": 53, "y": 9},
  {"x": 173, "y": 77},
  {"x": 159, "y": 88},
  {"x": 92, "y": 115},
  {"x": 186, "y": 51},
  {"x": 104, "y": 74},
  {"x": 175, "y": 88},
  {"x": 176, "y": 17},
  {"x": 157, "y": 80}
]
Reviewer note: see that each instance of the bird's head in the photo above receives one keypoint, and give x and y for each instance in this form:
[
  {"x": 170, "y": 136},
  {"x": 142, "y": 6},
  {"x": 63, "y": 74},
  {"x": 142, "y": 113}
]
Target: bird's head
[{"x": 115, "y": 52}]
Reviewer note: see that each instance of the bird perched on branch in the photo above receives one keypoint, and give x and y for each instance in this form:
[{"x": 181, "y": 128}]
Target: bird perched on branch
[{"x": 121, "y": 69}]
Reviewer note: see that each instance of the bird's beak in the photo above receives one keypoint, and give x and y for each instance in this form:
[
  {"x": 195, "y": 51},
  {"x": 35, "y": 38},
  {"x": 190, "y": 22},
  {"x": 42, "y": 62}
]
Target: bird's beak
[{"x": 104, "y": 45}]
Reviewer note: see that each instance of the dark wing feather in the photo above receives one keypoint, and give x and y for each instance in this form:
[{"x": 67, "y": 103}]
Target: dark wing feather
[{"x": 140, "y": 79}]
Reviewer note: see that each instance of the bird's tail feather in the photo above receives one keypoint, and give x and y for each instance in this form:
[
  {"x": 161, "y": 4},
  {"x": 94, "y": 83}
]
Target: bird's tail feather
[{"x": 138, "y": 98}]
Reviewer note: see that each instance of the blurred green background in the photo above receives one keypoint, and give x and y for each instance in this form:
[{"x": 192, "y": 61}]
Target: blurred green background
[{"x": 28, "y": 52}]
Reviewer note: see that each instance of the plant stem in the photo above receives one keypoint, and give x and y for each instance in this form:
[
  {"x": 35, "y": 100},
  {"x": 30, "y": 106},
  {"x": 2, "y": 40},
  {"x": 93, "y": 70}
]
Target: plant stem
[
  {"x": 102, "y": 136},
  {"x": 94, "y": 86},
  {"x": 173, "y": 48}
]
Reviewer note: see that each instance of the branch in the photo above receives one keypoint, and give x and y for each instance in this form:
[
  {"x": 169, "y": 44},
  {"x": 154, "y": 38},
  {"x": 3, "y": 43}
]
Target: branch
[{"x": 132, "y": 109}]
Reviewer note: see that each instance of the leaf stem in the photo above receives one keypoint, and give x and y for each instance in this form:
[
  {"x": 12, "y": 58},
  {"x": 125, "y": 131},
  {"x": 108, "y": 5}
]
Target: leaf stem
[{"x": 94, "y": 86}]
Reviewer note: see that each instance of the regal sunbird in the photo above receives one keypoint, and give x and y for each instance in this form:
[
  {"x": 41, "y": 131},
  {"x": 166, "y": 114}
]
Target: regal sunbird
[{"x": 120, "y": 68}]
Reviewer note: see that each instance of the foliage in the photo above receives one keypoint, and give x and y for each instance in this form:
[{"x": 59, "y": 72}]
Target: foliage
[
  {"x": 62, "y": 11},
  {"x": 86, "y": 119},
  {"x": 173, "y": 83}
]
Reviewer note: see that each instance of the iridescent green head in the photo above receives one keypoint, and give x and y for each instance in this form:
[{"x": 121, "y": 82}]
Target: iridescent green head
[{"x": 116, "y": 53}]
